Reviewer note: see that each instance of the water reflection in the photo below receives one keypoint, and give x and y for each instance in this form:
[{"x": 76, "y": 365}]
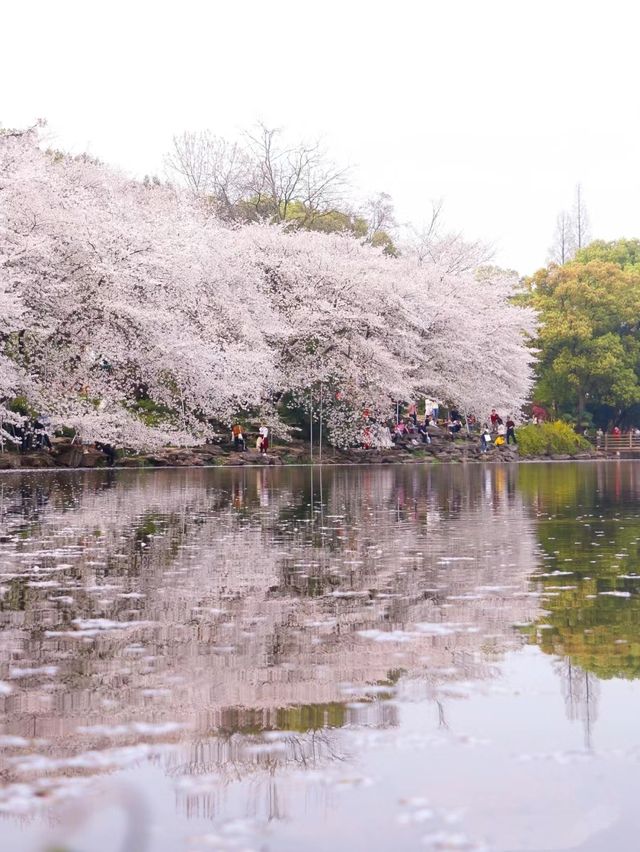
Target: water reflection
[
  {"x": 589, "y": 532},
  {"x": 252, "y": 629}
]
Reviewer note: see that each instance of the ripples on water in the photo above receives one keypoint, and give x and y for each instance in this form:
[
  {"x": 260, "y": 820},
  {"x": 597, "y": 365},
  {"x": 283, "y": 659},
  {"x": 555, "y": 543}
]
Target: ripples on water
[{"x": 282, "y": 659}]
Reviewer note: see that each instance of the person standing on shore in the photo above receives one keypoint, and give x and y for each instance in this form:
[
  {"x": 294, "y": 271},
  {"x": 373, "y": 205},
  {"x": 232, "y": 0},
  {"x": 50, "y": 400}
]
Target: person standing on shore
[
  {"x": 431, "y": 407},
  {"x": 264, "y": 433},
  {"x": 238, "y": 437},
  {"x": 485, "y": 439},
  {"x": 511, "y": 430}
]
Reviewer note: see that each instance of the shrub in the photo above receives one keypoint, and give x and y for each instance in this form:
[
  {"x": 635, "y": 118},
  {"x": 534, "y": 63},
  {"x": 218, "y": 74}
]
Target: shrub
[
  {"x": 550, "y": 439},
  {"x": 150, "y": 412}
]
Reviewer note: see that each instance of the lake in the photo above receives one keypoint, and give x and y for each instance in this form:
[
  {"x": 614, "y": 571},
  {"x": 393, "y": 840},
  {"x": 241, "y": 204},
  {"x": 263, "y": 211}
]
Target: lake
[{"x": 346, "y": 658}]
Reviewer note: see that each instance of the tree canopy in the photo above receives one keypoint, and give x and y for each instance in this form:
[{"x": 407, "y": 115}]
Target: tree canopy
[
  {"x": 622, "y": 252},
  {"x": 588, "y": 343}
]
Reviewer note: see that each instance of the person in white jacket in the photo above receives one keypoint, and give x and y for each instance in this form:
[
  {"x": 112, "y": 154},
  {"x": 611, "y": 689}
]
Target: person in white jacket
[{"x": 264, "y": 433}]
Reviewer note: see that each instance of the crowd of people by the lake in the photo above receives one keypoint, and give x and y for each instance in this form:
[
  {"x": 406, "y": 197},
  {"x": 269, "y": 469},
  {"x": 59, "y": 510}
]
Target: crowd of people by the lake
[
  {"x": 33, "y": 433},
  {"x": 412, "y": 428},
  {"x": 495, "y": 431}
]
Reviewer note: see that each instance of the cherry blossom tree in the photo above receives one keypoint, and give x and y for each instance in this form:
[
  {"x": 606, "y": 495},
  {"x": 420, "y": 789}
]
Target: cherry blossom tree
[
  {"x": 12, "y": 380},
  {"x": 373, "y": 329},
  {"x": 113, "y": 290},
  {"x": 127, "y": 286}
]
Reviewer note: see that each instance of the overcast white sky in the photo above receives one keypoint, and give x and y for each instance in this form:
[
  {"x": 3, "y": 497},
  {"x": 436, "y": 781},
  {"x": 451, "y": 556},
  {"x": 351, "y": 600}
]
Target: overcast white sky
[{"x": 498, "y": 107}]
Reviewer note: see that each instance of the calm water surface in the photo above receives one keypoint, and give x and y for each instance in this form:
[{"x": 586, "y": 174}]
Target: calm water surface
[{"x": 359, "y": 659}]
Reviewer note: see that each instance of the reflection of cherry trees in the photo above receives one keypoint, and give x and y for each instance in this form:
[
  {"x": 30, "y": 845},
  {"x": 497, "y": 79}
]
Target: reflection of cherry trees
[{"x": 243, "y": 602}]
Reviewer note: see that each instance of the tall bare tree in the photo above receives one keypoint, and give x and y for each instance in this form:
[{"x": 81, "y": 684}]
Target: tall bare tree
[
  {"x": 580, "y": 219},
  {"x": 572, "y": 231},
  {"x": 563, "y": 247}
]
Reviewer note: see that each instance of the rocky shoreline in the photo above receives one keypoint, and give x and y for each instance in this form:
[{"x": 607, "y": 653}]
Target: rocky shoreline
[{"x": 442, "y": 450}]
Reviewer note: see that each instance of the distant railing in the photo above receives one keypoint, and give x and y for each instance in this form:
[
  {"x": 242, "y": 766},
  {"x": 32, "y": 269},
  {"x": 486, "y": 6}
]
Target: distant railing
[{"x": 622, "y": 443}]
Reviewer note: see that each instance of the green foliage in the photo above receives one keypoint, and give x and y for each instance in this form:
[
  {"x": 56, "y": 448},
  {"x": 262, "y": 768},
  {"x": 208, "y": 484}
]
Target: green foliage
[
  {"x": 381, "y": 239},
  {"x": 66, "y": 432},
  {"x": 557, "y": 438},
  {"x": 589, "y": 341},
  {"x": 20, "y": 405},
  {"x": 328, "y": 221},
  {"x": 335, "y": 221},
  {"x": 299, "y": 215},
  {"x": 338, "y": 221},
  {"x": 151, "y": 413},
  {"x": 622, "y": 252}
]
